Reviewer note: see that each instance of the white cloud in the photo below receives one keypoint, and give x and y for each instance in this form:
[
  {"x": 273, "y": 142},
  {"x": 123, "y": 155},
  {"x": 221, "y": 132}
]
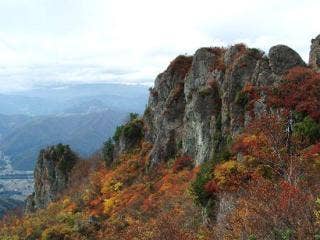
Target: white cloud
[{"x": 52, "y": 41}]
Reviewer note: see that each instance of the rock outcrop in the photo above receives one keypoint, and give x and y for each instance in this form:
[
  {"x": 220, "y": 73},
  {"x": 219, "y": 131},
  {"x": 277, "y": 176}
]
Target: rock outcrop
[
  {"x": 51, "y": 175},
  {"x": 314, "y": 58},
  {"x": 282, "y": 58},
  {"x": 197, "y": 105}
]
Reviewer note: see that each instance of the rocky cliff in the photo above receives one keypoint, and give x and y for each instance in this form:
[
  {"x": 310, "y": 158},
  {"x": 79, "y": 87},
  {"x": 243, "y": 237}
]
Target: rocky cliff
[
  {"x": 199, "y": 103},
  {"x": 314, "y": 59},
  {"x": 51, "y": 175}
]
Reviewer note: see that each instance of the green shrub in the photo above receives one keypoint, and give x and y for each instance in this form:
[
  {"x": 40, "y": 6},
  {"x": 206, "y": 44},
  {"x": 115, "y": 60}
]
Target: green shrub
[
  {"x": 308, "y": 128},
  {"x": 65, "y": 157},
  {"x": 252, "y": 237},
  {"x": 117, "y": 133},
  {"x": 133, "y": 116},
  {"x": 197, "y": 189},
  {"x": 133, "y": 129},
  {"x": 107, "y": 152},
  {"x": 283, "y": 234}
]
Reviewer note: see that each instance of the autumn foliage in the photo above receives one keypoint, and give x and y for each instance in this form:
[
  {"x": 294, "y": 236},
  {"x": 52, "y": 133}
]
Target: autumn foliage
[
  {"x": 180, "y": 65},
  {"x": 267, "y": 188},
  {"x": 120, "y": 203},
  {"x": 299, "y": 91}
]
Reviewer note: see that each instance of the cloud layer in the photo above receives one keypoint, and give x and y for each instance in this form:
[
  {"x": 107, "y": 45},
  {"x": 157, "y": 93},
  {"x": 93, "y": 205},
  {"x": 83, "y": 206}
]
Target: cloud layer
[{"x": 58, "y": 41}]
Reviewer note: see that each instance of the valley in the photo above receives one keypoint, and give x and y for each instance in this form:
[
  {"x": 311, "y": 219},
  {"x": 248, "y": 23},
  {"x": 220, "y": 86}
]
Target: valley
[{"x": 82, "y": 116}]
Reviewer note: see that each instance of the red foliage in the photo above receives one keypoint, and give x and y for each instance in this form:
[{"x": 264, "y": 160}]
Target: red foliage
[
  {"x": 315, "y": 149},
  {"x": 299, "y": 91},
  {"x": 267, "y": 205},
  {"x": 180, "y": 65},
  {"x": 181, "y": 163},
  {"x": 211, "y": 187},
  {"x": 218, "y": 62},
  {"x": 253, "y": 93},
  {"x": 289, "y": 192}
]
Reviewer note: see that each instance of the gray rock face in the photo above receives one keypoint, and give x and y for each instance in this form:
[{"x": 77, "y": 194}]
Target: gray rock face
[
  {"x": 314, "y": 57},
  {"x": 198, "y": 112},
  {"x": 51, "y": 176},
  {"x": 163, "y": 117},
  {"x": 283, "y": 58}
]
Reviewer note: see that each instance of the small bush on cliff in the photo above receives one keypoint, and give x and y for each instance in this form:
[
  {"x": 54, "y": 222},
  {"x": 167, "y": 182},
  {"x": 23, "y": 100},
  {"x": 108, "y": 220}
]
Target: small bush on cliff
[
  {"x": 308, "y": 129},
  {"x": 107, "y": 152},
  {"x": 201, "y": 189},
  {"x": 65, "y": 157},
  {"x": 132, "y": 130},
  {"x": 117, "y": 133}
]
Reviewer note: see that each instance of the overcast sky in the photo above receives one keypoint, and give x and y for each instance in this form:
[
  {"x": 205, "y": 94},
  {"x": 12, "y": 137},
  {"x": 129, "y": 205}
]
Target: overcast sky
[{"x": 55, "y": 41}]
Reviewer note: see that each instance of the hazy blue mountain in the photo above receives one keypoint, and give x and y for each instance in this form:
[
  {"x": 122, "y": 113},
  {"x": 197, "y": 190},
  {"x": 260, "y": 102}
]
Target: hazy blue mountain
[
  {"x": 82, "y": 115},
  {"x": 10, "y": 122},
  {"x": 58, "y": 99},
  {"x": 84, "y": 132}
]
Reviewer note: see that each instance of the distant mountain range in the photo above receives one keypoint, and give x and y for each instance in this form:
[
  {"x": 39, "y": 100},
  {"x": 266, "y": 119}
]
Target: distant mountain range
[
  {"x": 85, "y": 132},
  {"x": 83, "y": 116},
  {"x": 59, "y": 99}
]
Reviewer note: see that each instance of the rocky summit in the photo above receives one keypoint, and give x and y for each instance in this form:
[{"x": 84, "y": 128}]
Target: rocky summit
[{"x": 197, "y": 105}]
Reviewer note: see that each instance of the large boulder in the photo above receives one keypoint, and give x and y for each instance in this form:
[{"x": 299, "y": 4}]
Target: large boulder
[{"x": 282, "y": 58}]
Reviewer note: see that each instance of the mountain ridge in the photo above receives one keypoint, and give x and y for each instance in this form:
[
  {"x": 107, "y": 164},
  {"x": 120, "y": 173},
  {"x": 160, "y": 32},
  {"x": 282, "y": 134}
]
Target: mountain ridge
[{"x": 227, "y": 148}]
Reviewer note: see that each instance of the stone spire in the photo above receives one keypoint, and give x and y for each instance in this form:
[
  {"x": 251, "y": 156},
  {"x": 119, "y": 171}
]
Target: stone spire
[{"x": 314, "y": 57}]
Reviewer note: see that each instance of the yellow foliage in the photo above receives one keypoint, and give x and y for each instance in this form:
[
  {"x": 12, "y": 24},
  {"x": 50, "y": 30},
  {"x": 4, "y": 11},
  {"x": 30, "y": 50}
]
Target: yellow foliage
[
  {"x": 249, "y": 139},
  {"x": 225, "y": 171},
  {"x": 108, "y": 205},
  {"x": 117, "y": 186}
]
